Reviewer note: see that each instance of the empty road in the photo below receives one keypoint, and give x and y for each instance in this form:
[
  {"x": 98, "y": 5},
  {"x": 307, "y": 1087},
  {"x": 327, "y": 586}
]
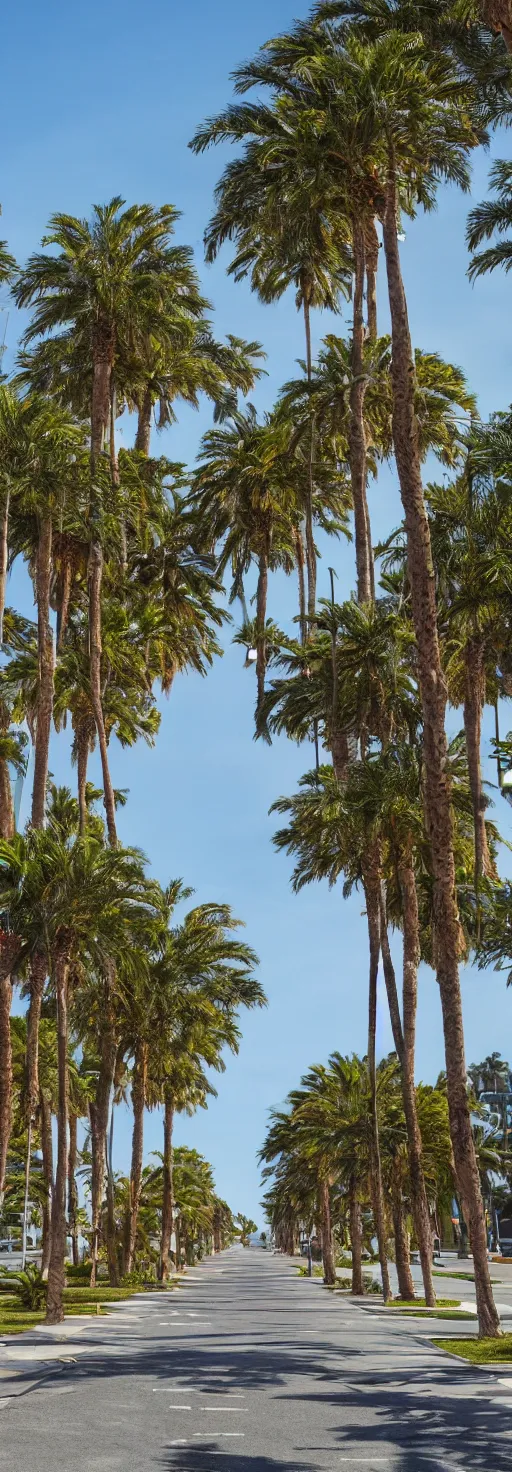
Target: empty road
[{"x": 249, "y": 1368}]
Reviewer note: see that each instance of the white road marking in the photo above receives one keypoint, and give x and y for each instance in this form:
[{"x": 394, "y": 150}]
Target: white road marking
[
  {"x": 219, "y": 1433},
  {"x": 212, "y": 1410},
  {"x": 180, "y": 1408}
]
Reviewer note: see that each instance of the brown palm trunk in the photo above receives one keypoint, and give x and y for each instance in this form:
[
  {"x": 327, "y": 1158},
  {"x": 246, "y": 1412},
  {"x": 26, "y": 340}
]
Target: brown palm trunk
[
  {"x": 4, "y": 557},
  {"x": 357, "y": 433},
  {"x": 261, "y": 615},
  {"x": 38, "y": 970},
  {"x": 402, "y": 1256},
  {"x": 95, "y": 583},
  {"x": 112, "y": 1252},
  {"x": 63, "y": 613},
  {"x": 299, "y": 560},
  {"x": 100, "y": 415},
  {"x": 98, "y": 1114},
  {"x": 167, "y": 1189},
  {"x": 56, "y": 1271},
  {"x": 474, "y": 698},
  {"x": 419, "y": 1200},
  {"x": 309, "y": 517},
  {"x": 82, "y": 761},
  {"x": 6, "y": 802},
  {"x": 143, "y": 436},
  {"x": 497, "y": 14},
  {"x": 5, "y": 1076},
  {"x": 372, "y": 263},
  {"x": 372, "y": 895},
  {"x": 356, "y": 1239},
  {"x": 390, "y": 977},
  {"x": 437, "y": 790},
  {"x": 46, "y": 675},
  {"x": 327, "y": 1247},
  {"x": 72, "y": 1187},
  {"x": 47, "y": 1153},
  {"x": 405, "y": 1044},
  {"x": 139, "y": 1085}
]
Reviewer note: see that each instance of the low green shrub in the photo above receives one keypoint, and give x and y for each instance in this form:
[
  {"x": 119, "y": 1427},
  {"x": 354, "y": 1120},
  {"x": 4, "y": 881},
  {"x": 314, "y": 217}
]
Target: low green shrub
[{"x": 28, "y": 1284}]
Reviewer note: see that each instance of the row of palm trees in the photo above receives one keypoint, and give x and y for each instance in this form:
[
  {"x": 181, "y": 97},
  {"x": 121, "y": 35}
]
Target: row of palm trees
[
  {"x": 318, "y": 1154},
  {"x": 361, "y": 112},
  {"x": 127, "y": 596},
  {"x": 179, "y": 1189},
  {"x": 362, "y": 118}
]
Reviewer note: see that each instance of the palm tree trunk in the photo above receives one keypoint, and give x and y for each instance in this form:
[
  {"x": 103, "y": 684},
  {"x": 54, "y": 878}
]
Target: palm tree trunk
[
  {"x": 474, "y": 698},
  {"x": 327, "y": 1247},
  {"x": 299, "y": 559},
  {"x": 82, "y": 762},
  {"x": 4, "y": 558},
  {"x": 372, "y": 895},
  {"x": 405, "y": 1044},
  {"x": 112, "y": 1255},
  {"x": 72, "y": 1187},
  {"x": 143, "y": 436},
  {"x": 56, "y": 1271},
  {"x": 95, "y": 582},
  {"x": 63, "y": 612},
  {"x": 38, "y": 970},
  {"x": 100, "y": 414},
  {"x": 5, "y": 1076},
  {"x": 261, "y": 616},
  {"x": 372, "y": 264},
  {"x": 497, "y": 15},
  {"x": 356, "y": 1237},
  {"x": 390, "y": 977},
  {"x": 26, "y": 1195},
  {"x": 402, "y": 1255},
  {"x": 6, "y": 801},
  {"x": 310, "y": 535},
  {"x": 99, "y": 1113},
  {"x": 357, "y": 433},
  {"x": 139, "y": 1084},
  {"x": 437, "y": 791},
  {"x": 47, "y": 1153},
  {"x": 46, "y": 660},
  {"x": 419, "y": 1200},
  {"x": 167, "y": 1189}
]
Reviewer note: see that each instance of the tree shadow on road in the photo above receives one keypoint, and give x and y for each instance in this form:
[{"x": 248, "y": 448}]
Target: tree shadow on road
[
  {"x": 419, "y": 1431},
  {"x": 188, "y": 1459}
]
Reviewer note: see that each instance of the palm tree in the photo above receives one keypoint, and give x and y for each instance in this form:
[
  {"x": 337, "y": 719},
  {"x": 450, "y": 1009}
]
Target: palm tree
[
  {"x": 105, "y": 287},
  {"x": 247, "y": 504},
  {"x": 246, "y": 1227},
  {"x": 494, "y": 217},
  {"x": 284, "y": 236},
  {"x": 437, "y": 143},
  {"x": 80, "y": 902}
]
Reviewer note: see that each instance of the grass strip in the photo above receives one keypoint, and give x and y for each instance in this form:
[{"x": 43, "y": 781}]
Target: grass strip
[
  {"x": 421, "y": 1302},
  {"x": 479, "y": 1351},
  {"x": 464, "y": 1277}
]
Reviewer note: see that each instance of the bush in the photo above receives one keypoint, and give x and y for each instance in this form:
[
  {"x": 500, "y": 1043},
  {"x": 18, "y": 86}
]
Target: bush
[{"x": 29, "y": 1286}]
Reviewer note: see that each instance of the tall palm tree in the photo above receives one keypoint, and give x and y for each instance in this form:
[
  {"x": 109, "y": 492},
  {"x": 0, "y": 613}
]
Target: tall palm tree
[
  {"x": 372, "y": 80},
  {"x": 104, "y": 287},
  {"x": 247, "y": 504},
  {"x": 284, "y": 236},
  {"x": 80, "y": 902}
]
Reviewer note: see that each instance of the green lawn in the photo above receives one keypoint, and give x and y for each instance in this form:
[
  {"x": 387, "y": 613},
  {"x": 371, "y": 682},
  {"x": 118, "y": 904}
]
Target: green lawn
[
  {"x": 479, "y": 1351},
  {"x": 421, "y": 1302},
  {"x": 465, "y": 1277},
  {"x": 14, "y": 1319}
]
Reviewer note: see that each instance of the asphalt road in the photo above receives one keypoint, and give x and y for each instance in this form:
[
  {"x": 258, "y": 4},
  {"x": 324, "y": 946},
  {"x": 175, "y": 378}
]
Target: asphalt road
[{"x": 249, "y": 1368}]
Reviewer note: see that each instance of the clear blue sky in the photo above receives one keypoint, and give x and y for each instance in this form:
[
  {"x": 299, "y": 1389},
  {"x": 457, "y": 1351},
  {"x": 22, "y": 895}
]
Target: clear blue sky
[{"x": 101, "y": 100}]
